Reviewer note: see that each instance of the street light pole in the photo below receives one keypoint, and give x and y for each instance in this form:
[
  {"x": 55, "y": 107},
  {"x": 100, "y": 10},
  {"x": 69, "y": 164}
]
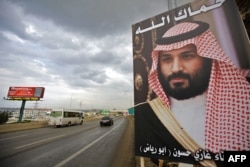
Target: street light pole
[{"x": 70, "y": 100}]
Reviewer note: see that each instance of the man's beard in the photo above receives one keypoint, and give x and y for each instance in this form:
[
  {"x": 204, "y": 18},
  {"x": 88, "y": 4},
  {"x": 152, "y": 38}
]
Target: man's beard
[{"x": 198, "y": 83}]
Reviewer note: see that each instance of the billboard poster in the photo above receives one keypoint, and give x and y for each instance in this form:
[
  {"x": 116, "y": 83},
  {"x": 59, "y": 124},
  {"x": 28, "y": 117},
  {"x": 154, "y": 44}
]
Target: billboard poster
[
  {"x": 25, "y": 92},
  {"x": 191, "y": 84}
]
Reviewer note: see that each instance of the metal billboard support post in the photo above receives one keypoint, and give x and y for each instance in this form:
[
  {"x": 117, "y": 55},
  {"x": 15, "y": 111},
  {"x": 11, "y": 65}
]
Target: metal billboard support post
[
  {"x": 23, "y": 105},
  {"x": 21, "y": 111}
]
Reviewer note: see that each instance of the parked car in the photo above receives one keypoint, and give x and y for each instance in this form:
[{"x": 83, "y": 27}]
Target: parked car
[{"x": 106, "y": 120}]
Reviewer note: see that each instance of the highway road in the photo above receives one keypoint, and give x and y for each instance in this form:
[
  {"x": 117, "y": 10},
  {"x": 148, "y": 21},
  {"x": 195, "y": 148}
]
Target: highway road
[{"x": 87, "y": 145}]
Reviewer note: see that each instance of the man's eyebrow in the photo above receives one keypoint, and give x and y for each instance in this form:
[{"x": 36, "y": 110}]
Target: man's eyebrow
[
  {"x": 188, "y": 51},
  {"x": 184, "y": 52},
  {"x": 165, "y": 54}
]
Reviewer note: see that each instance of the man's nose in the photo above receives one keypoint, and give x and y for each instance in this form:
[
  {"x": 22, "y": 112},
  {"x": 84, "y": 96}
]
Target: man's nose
[{"x": 176, "y": 66}]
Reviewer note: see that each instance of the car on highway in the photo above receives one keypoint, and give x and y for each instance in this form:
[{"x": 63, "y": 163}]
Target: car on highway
[{"x": 106, "y": 120}]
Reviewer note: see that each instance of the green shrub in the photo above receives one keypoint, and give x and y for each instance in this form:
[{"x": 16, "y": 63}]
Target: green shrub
[{"x": 4, "y": 117}]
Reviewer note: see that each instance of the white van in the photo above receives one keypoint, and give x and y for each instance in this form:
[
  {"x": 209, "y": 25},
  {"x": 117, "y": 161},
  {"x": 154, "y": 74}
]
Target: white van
[{"x": 63, "y": 117}]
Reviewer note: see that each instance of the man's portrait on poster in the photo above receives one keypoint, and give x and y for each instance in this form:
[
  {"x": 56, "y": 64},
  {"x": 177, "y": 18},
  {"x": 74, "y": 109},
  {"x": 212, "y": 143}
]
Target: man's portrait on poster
[{"x": 202, "y": 104}]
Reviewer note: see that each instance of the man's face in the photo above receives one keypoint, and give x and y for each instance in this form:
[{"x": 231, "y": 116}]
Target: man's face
[{"x": 183, "y": 73}]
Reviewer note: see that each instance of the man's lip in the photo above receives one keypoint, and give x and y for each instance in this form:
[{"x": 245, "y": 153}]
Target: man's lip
[{"x": 177, "y": 80}]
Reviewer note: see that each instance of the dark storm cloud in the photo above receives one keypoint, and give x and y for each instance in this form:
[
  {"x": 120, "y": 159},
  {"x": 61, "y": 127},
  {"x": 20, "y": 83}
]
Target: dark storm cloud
[
  {"x": 10, "y": 20},
  {"x": 89, "y": 16}
]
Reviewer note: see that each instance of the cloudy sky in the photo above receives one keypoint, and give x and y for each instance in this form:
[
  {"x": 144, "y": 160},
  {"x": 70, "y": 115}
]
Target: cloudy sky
[{"x": 79, "y": 50}]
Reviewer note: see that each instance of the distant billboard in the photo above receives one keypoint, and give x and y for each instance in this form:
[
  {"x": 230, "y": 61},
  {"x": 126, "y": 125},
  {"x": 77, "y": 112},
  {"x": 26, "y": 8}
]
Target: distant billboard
[
  {"x": 131, "y": 111},
  {"x": 25, "y": 92},
  {"x": 105, "y": 112}
]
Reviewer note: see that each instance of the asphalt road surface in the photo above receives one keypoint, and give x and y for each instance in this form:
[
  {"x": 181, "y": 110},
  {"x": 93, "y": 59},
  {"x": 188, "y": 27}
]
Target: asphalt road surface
[{"x": 87, "y": 145}]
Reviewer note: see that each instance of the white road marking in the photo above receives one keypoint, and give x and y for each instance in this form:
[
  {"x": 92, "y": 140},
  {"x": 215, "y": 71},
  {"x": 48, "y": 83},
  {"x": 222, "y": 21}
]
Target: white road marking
[
  {"x": 40, "y": 141},
  {"x": 84, "y": 148},
  {"x": 12, "y": 137}
]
